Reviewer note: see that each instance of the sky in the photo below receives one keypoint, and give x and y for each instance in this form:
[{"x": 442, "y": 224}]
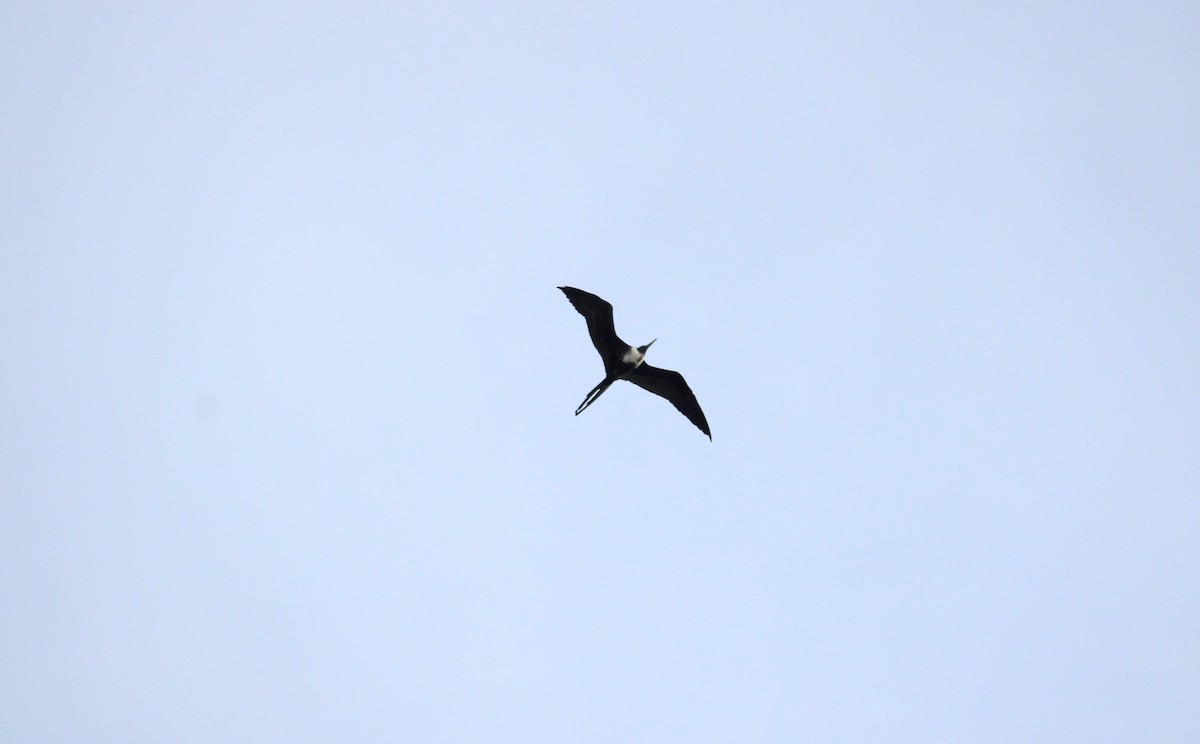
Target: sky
[{"x": 287, "y": 451}]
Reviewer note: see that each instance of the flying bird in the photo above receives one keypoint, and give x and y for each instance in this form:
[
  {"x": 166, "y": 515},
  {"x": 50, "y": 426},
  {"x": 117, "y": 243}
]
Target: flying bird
[{"x": 625, "y": 362}]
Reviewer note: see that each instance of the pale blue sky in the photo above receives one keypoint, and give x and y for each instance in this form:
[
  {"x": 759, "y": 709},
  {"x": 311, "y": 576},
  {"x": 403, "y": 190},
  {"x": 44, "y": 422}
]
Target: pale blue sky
[{"x": 287, "y": 450}]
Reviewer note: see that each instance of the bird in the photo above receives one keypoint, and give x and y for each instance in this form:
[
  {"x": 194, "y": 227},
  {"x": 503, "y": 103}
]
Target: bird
[{"x": 625, "y": 362}]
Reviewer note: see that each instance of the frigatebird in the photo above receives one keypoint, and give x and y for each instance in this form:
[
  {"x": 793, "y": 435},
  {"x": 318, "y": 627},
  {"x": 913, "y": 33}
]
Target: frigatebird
[{"x": 625, "y": 362}]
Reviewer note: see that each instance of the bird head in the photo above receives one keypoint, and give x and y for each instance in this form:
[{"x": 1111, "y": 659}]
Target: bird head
[{"x": 643, "y": 349}]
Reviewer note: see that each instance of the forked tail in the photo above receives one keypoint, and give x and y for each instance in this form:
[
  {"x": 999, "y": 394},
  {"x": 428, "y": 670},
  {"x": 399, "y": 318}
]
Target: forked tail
[{"x": 596, "y": 393}]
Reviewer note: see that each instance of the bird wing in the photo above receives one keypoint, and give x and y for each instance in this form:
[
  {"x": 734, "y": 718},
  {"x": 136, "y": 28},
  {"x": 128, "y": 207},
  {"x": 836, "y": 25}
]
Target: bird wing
[
  {"x": 599, "y": 316},
  {"x": 674, "y": 388}
]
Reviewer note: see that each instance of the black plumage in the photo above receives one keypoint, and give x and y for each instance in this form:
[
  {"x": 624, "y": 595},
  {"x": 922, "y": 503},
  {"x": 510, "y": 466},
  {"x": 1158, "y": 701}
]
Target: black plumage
[{"x": 625, "y": 362}]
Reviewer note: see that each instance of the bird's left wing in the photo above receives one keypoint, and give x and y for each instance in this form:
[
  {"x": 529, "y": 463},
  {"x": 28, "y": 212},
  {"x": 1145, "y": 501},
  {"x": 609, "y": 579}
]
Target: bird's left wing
[{"x": 674, "y": 388}]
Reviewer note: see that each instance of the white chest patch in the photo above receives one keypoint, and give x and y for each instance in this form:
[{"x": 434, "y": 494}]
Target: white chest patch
[{"x": 634, "y": 357}]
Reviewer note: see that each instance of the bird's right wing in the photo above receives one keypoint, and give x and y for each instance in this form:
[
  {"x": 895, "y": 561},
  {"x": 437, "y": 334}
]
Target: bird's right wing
[
  {"x": 599, "y": 316},
  {"x": 674, "y": 388}
]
